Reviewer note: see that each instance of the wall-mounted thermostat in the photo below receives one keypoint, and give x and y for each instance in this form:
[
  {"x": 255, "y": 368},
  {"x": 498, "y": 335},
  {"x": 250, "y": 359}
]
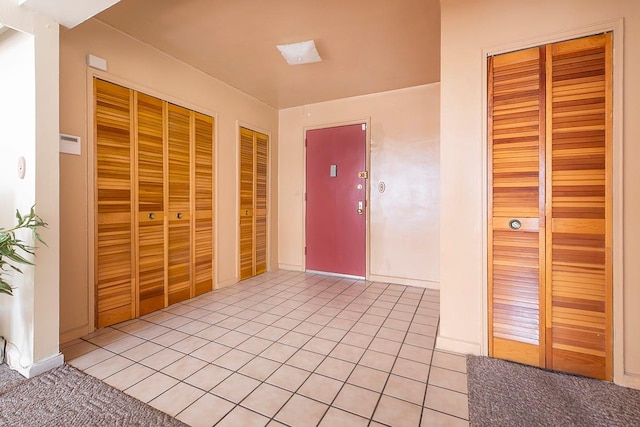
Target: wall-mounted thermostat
[{"x": 69, "y": 144}]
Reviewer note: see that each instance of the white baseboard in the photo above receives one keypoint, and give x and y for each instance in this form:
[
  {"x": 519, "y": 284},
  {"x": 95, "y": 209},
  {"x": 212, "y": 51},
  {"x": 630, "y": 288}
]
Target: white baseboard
[
  {"x": 420, "y": 283},
  {"x": 72, "y": 334},
  {"x": 42, "y": 365},
  {"x": 457, "y": 346},
  {"x": 628, "y": 380},
  {"x": 226, "y": 283},
  {"x": 290, "y": 267}
]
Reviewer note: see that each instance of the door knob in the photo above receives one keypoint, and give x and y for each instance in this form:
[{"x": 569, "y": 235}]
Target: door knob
[
  {"x": 179, "y": 215},
  {"x": 152, "y": 215},
  {"x": 360, "y": 207},
  {"x": 515, "y": 224}
]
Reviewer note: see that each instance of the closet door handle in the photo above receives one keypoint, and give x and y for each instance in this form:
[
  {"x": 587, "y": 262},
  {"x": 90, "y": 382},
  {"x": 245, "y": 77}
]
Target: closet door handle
[
  {"x": 515, "y": 224},
  {"x": 179, "y": 215},
  {"x": 152, "y": 215}
]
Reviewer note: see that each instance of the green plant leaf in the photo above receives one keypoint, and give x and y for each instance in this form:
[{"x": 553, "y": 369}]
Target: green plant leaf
[{"x": 9, "y": 245}]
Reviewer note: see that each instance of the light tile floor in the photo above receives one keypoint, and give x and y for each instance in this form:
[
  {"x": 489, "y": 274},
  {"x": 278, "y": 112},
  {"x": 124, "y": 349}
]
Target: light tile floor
[{"x": 287, "y": 349}]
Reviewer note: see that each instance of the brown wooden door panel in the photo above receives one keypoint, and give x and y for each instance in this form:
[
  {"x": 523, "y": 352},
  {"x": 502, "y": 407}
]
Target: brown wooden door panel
[
  {"x": 261, "y": 197},
  {"x": 151, "y": 217},
  {"x": 179, "y": 212},
  {"x": 151, "y": 242},
  {"x": 516, "y": 255},
  {"x": 203, "y": 204},
  {"x": 114, "y": 271},
  {"x": 579, "y": 202}
]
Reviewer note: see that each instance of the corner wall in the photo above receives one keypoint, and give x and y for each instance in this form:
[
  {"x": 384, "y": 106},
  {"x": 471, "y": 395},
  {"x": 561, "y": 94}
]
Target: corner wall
[
  {"x": 470, "y": 27},
  {"x": 30, "y": 317},
  {"x": 141, "y": 67},
  {"x": 404, "y": 220}
]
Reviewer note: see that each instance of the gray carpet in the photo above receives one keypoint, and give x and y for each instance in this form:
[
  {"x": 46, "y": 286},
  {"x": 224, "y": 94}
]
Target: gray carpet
[
  {"x": 509, "y": 394},
  {"x": 67, "y": 397}
]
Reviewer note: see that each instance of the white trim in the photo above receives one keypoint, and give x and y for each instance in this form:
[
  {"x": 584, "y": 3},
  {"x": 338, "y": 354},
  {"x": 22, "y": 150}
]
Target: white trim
[
  {"x": 617, "y": 27},
  {"x": 74, "y": 333},
  {"x": 226, "y": 283},
  {"x": 42, "y": 365},
  {"x": 290, "y": 267},
  {"x": 457, "y": 346},
  {"x": 628, "y": 380},
  {"x": 419, "y": 283}
]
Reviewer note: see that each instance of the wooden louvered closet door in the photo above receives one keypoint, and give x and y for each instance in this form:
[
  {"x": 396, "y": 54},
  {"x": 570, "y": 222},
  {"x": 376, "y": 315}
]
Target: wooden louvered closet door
[
  {"x": 550, "y": 279},
  {"x": 150, "y": 215},
  {"x": 179, "y": 212},
  {"x": 254, "y": 160},
  {"x": 115, "y": 290},
  {"x": 154, "y": 211},
  {"x": 203, "y": 203}
]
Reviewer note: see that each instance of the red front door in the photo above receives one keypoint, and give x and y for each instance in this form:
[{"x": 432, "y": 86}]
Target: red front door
[{"x": 336, "y": 218}]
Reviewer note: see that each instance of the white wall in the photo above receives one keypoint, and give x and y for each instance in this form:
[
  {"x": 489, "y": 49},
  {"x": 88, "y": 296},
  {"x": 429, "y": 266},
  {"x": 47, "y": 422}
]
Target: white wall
[
  {"x": 404, "y": 220},
  {"x": 470, "y": 27},
  {"x": 17, "y": 138},
  {"x": 30, "y": 62}
]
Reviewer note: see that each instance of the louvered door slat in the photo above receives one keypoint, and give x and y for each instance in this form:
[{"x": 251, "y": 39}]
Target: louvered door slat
[
  {"x": 114, "y": 228},
  {"x": 203, "y": 222},
  {"x": 179, "y": 212},
  {"x": 579, "y": 204},
  {"x": 150, "y": 215},
  {"x": 516, "y": 265}
]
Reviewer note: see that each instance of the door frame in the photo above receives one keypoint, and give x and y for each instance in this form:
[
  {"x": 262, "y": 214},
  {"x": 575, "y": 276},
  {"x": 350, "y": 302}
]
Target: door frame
[
  {"x": 617, "y": 28},
  {"x": 367, "y": 159}
]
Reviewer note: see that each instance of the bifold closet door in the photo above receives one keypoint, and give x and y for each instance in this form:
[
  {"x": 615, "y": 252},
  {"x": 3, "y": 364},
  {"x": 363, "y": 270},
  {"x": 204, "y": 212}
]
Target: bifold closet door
[
  {"x": 516, "y": 206},
  {"x": 203, "y": 203},
  {"x": 154, "y": 216},
  {"x": 179, "y": 212},
  {"x": 550, "y": 206},
  {"x": 150, "y": 195},
  {"x": 114, "y": 263},
  {"x": 254, "y": 159}
]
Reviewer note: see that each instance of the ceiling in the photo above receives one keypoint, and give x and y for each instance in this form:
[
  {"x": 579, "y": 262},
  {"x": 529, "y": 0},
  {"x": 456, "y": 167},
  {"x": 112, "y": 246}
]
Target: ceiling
[{"x": 366, "y": 46}]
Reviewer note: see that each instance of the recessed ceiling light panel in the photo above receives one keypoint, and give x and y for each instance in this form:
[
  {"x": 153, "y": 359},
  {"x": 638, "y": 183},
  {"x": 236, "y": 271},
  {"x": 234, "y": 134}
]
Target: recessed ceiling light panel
[{"x": 300, "y": 53}]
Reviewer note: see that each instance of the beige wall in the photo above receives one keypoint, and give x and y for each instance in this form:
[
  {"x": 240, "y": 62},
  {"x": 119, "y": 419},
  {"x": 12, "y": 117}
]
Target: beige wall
[
  {"x": 469, "y": 28},
  {"x": 135, "y": 64},
  {"x": 30, "y": 317},
  {"x": 404, "y": 220}
]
